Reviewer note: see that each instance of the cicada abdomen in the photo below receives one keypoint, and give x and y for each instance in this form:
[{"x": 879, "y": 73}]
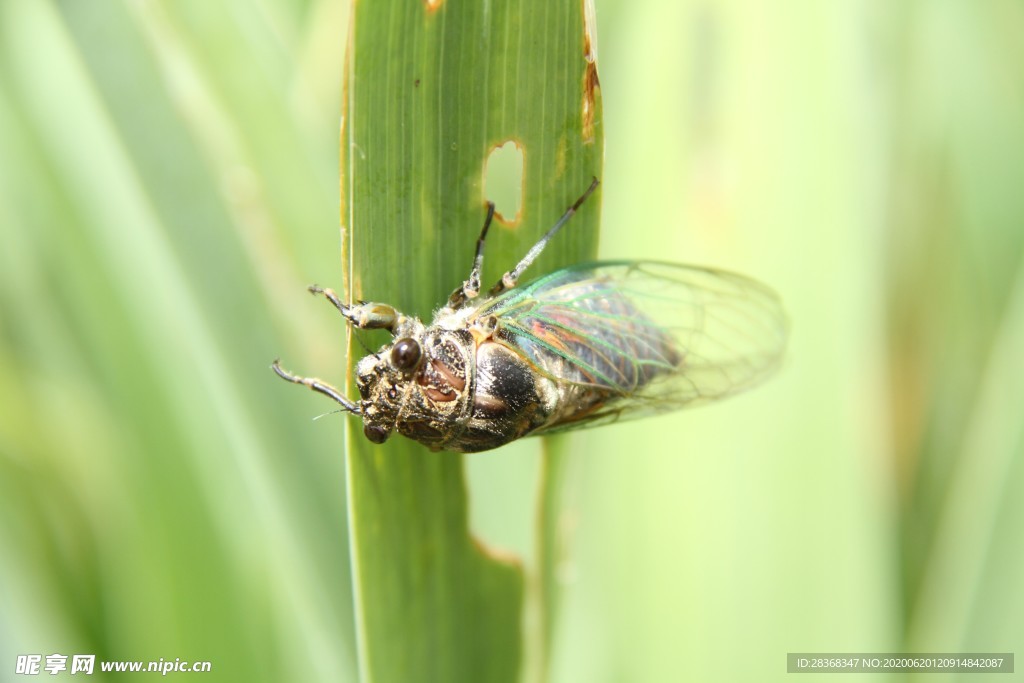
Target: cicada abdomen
[{"x": 626, "y": 339}]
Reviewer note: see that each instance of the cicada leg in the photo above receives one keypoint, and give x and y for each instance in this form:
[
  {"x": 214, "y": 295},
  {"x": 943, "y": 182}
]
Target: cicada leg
[
  {"x": 317, "y": 385},
  {"x": 511, "y": 278},
  {"x": 365, "y": 316},
  {"x": 470, "y": 288}
]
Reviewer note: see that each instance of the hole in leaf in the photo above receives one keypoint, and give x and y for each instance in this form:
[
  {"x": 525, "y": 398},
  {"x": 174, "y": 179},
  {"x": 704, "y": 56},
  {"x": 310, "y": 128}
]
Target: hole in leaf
[{"x": 503, "y": 181}]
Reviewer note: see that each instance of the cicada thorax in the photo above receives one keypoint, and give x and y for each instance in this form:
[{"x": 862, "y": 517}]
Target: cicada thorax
[
  {"x": 469, "y": 394},
  {"x": 434, "y": 398},
  {"x": 445, "y": 372}
]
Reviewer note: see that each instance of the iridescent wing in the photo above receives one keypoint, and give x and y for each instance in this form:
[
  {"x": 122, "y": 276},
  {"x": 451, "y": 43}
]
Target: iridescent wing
[{"x": 629, "y": 339}]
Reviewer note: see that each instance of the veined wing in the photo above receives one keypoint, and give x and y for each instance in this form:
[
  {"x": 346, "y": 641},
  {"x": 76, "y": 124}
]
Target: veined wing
[{"x": 642, "y": 337}]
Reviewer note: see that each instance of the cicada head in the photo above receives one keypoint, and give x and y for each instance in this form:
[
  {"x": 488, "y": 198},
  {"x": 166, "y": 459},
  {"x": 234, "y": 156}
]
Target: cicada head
[{"x": 381, "y": 387}]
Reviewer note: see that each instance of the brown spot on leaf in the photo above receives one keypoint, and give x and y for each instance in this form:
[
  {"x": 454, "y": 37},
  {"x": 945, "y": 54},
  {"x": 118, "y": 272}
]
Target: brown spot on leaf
[
  {"x": 591, "y": 86},
  {"x": 432, "y": 5}
]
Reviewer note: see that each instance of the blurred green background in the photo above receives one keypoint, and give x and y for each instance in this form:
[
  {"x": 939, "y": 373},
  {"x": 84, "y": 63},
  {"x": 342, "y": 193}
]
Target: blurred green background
[{"x": 169, "y": 184}]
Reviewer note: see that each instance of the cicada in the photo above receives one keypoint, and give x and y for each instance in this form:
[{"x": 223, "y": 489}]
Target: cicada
[{"x": 583, "y": 346}]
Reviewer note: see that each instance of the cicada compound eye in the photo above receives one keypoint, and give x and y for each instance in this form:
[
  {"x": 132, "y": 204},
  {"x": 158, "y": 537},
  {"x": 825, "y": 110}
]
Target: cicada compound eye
[
  {"x": 376, "y": 434},
  {"x": 406, "y": 354}
]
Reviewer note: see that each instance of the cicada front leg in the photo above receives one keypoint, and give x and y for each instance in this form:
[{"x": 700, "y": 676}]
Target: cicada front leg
[
  {"x": 318, "y": 386},
  {"x": 365, "y": 316}
]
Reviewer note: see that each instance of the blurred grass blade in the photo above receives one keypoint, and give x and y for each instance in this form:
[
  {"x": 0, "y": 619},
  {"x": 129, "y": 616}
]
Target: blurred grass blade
[
  {"x": 980, "y": 489},
  {"x": 432, "y": 89},
  {"x": 146, "y": 475}
]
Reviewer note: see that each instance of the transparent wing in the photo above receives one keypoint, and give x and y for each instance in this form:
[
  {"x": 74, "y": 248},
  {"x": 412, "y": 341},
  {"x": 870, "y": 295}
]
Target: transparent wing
[{"x": 629, "y": 339}]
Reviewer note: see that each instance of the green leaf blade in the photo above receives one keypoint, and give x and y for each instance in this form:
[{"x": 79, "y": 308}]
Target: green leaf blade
[{"x": 430, "y": 93}]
